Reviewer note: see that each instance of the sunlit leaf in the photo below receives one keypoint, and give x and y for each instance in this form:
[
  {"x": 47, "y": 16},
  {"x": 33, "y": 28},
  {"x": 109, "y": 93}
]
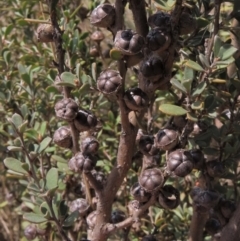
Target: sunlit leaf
[
  {"x": 67, "y": 79},
  {"x": 226, "y": 51},
  {"x": 217, "y": 45},
  {"x": 173, "y": 110},
  {"x": 14, "y": 165},
  {"x": 193, "y": 65},
  {"x": 44, "y": 144},
  {"x": 17, "y": 120},
  {"x": 115, "y": 54},
  {"x": 34, "y": 218},
  {"x": 199, "y": 89},
  {"x": 178, "y": 85},
  {"x": 52, "y": 178}
]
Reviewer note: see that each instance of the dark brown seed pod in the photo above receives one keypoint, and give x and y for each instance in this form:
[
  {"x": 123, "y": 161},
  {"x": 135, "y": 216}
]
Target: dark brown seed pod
[
  {"x": 215, "y": 168},
  {"x": 213, "y": 225},
  {"x": 103, "y": 16},
  {"x": 180, "y": 162},
  {"x": 146, "y": 145},
  {"x": 128, "y": 42},
  {"x": 139, "y": 193},
  {"x": 149, "y": 238},
  {"x": 93, "y": 51},
  {"x": 227, "y": 208},
  {"x": 45, "y": 33},
  {"x": 152, "y": 68},
  {"x": 109, "y": 81},
  {"x": 82, "y": 163},
  {"x": 30, "y": 232},
  {"x": 99, "y": 176},
  {"x": 204, "y": 200},
  {"x": 80, "y": 190},
  {"x": 166, "y": 139},
  {"x": 66, "y": 109},
  {"x": 117, "y": 216},
  {"x": 151, "y": 180},
  {"x": 81, "y": 205},
  {"x": 160, "y": 19},
  {"x": 97, "y": 36},
  {"x": 89, "y": 145},
  {"x": 158, "y": 40},
  {"x": 169, "y": 197},
  {"x": 85, "y": 120},
  {"x": 62, "y": 137},
  {"x": 136, "y": 99},
  {"x": 91, "y": 220},
  {"x": 198, "y": 158},
  {"x": 187, "y": 24}
]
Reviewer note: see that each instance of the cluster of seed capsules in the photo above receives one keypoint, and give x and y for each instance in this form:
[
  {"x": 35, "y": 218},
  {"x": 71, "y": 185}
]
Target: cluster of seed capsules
[{"x": 150, "y": 53}]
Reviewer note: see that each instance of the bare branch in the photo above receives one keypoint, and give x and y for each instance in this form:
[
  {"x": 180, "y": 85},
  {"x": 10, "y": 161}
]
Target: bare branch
[{"x": 139, "y": 15}]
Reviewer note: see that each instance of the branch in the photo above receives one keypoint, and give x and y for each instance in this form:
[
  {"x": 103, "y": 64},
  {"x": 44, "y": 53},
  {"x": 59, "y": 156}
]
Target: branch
[
  {"x": 93, "y": 182},
  {"x": 197, "y": 225},
  {"x": 217, "y": 4},
  {"x": 110, "y": 228},
  {"x": 139, "y": 16},
  {"x": 232, "y": 230}
]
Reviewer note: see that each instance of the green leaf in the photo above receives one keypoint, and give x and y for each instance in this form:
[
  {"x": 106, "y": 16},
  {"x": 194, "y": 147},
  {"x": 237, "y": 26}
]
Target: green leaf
[
  {"x": 192, "y": 117},
  {"x": 193, "y": 65},
  {"x": 115, "y": 54},
  {"x": 164, "y": 4},
  {"x": 84, "y": 89},
  {"x": 226, "y": 51},
  {"x": 44, "y": 144},
  {"x": 199, "y": 89},
  {"x": 52, "y": 178},
  {"x": 178, "y": 85},
  {"x": 67, "y": 79},
  {"x": 34, "y": 218},
  {"x": 198, "y": 105},
  {"x": 224, "y": 63},
  {"x": 31, "y": 133},
  {"x": 14, "y": 165},
  {"x": 8, "y": 30},
  {"x": 14, "y": 148},
  {"x": 17, "y": 120},
  {"x": 202, "y": 22},
  {"x": 209, "y": 102},
  {"x": 217, "y": 45},
  {"x": 63, "y": 209},
  {"x": 58, "y": 159},
  {"x": 69, "y": 221},
  {"x": 63, "y": 167},
  {"x": 173, "y": 110},
  {"x": 23, "y": 126},
  {"x": 204, "y": 60}
]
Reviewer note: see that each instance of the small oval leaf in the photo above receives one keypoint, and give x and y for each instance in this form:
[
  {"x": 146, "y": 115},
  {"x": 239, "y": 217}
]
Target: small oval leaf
[
  {"x": 172, "y": 109},
  {"x": 52, "y": 178},
  {"x": 14, "y": 165},
  {"x": 44, "y": 144},
  {"x": 193, "y": 65},
  {"x": 34, "y": 218}
]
